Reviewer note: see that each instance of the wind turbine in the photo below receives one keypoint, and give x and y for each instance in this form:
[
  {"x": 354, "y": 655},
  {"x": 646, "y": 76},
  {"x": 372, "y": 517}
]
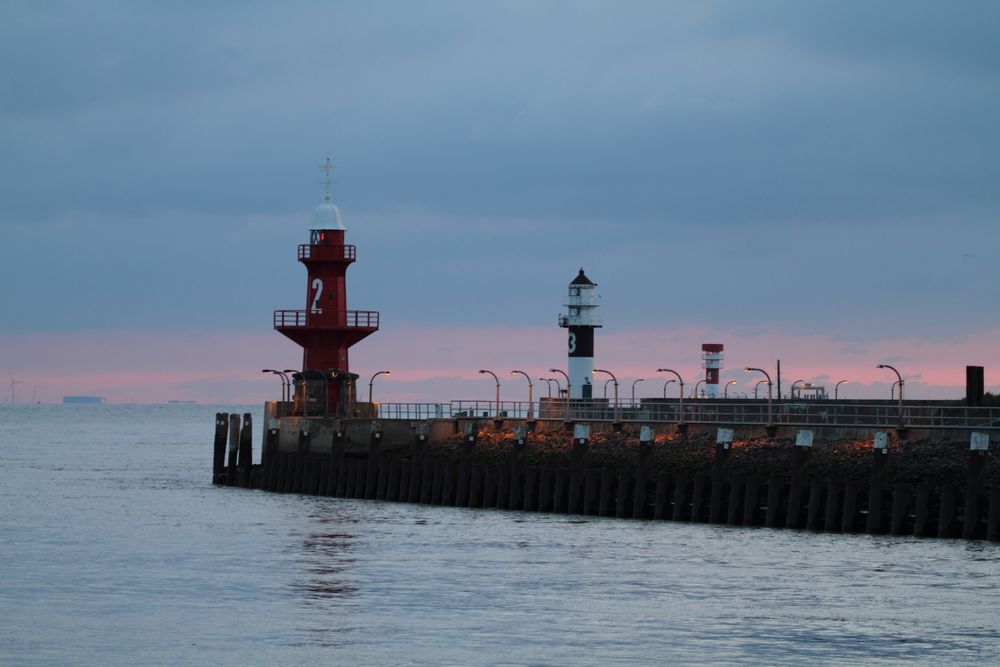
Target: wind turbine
[{"x": 11, "y": 386}]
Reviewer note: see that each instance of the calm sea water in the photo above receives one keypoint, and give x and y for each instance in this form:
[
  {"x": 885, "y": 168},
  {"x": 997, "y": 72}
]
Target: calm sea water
[{"x": 116, "y": 549}]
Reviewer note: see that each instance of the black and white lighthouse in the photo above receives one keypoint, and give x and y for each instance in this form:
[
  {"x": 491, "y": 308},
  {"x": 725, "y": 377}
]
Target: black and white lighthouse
[{"x": 581, "y": 320}]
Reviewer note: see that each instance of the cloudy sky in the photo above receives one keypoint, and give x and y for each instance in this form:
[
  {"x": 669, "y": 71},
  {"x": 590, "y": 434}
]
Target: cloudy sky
[{"x": 812, "y": 182}]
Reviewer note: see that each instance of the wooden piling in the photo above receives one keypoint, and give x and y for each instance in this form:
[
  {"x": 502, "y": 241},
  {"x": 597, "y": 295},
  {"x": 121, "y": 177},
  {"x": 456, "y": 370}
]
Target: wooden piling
[
  {"x": 234, "y": 445},
  {"x": 720, "y": 483},
  {"x": 922, "y": 510},
  {"x": 476, "y": 473},
  {"x": 876, "y": 492},
  {"x": 737, "y": 494},
  {"x": 244, "y": 461},
  {"x": 605, "y": 495},
  {"x": 848, "y": 520},
  {"x": 219, "y": 458},
  {"x": 700, "y": 498},
  {"x": 392, "y": 481},
  {"x": 622, "y": 498},
  {"x": 975, "y": 481},
  {"x": 371, "y": 469},
  {"x": 946, "y": 512},
  {"x": 437, "y": 489},
  {"x": 834, "y": 504},
  {"x": 660, "y": 502},
  {"x": 464, "y": 470},
  {"x": 814, "y": 512},
  {"x": 333, "y": 465},
  {"x": 517, "y": 475},
  {"x": 352, "y": 478},
  {"x": 490, "y": 485},
  {"x": 639, "y": 499},
  {"x": 560, "y": 486},
  {"x": 993, "y": 519},
  {"x": 404, "y": 481},
  {"x": 530, "y": 503},
  {"x": 545, "y": 476},
  {"x": 503, "y": 487},
  {"x": 898, "y": 521},
  {"x": 797, "y": 485},
  {"x": 578, "y": 472},
  {"x": 751, "y": 503},
  {"x": 679, "y": 508},
  {"x": 427, "y": 482},
  {"x": 773, "y": 518},
  {"x": 591, "y": 490},
  {"x": 417, "y": 469}
]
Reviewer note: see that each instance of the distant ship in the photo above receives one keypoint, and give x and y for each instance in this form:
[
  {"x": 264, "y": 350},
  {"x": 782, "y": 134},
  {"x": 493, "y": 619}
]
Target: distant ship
[{"x": 89, "y": 400}]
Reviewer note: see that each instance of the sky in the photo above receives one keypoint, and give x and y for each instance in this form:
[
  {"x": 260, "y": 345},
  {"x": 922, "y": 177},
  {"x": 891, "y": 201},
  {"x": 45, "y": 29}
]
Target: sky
[{"x": 812, "y": 182}]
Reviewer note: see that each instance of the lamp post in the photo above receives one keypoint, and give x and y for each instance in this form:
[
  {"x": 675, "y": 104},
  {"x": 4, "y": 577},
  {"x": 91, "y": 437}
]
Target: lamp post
[
  {"x": 836, "y": 388},
  {"x": 759, "y": 383},
  {"x": 601, "y": 370},
  {"x": 892, "y": 391},
  {"x": 289, "y": 374},
  {"x": 497, "y": 380},
  {"x": 606, "y": 382},
  {"x": 725, "y": 391},
  {"x": 900, "y": 383},
  {"x": 528, "y": 378},
  {"x": 665, "y": 386},
  {"x": 680, "y": 380},
  {"x": 696, "y": 385},
  {"x": 372, "y": 382},
  {"x": 548, "y": 382},
  {"x": 792, "y": 390},
  {"x": 635, "y": 382},
  {"x": 284, "y": 382},
  {"x": 749, "y": 369},
  {"x": 556, "y": 370}
]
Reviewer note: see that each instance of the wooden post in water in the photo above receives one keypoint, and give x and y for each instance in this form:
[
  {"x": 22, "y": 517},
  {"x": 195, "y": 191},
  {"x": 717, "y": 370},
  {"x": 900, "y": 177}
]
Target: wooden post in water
[
  {"x": 623, "y": 493},
  {"x": 679, "y": 510},
  {"x": 417, "y": 465},
  {"x": 876, "y": 489},
  {"x": 834, "y": 503},
  {"x": 517, "y": 474},
  {"x": 800, "y": 477},
  {"x": 219, "y": 458},
  {"x": 336, "y": 459},
  {"x": 901, "y": 494},
  {"x": 946, "y": 512},
  {"x": 975, "y": 482},
  {"x": 374, "y": 454},
  {"x": 604, "y": 499},
  {"x": 660, "y": 503},
  {"x": 815, "y": 513},
  {"x": 244, "y": 461},
  {"x": 720, "y": 475},
  {"x": 639, "y": 499},
  {"x": 773, "y": 518},
  {"x": 234, "y": 446},
  {"x": 577, "y": 467},
  {"x": 993, "y": 521},
  {"x": 922, "y": 510},
  {"x": 465, "y": 464},
  {"x": 591, "y": 488}
]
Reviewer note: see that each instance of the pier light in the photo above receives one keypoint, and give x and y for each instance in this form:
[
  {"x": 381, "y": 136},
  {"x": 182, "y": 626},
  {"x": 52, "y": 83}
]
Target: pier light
[
  {"x": 836, "y": 387},
  {"x": 759, "y": 383},
  {"x": 791, "y": 391},
  {"x": 497, "y": 380},
  {"x": 606, "y": 383},
  {"x": 725, "y": 391},
  {"x": 696, "y": 385},
  {"x": 615, "y": 380},
  {"x": 530, "y": 386},
  {"x": 556, "y": 370},
  {"x": 547, "y": 381},
  {"x": 750, "y": 369},
  {"x": 680, "y": 383},
  {"x": 635, "y": 382},
  {"x": 900, "y": 383},
  {"x": 372, "y": 382},
  {"x": 665, "y": 387},
  {"x": 284, "y": 383}
]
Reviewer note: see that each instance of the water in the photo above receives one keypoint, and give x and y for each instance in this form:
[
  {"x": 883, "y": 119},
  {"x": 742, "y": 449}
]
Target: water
[{"x": 115, "y": 548}]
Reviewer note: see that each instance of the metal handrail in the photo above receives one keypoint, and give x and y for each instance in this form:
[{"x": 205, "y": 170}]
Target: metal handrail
[
  {"x": 813, "y": 413},
  {"x": 363, "y": 319},
  {"x": 329, "y": 252}
]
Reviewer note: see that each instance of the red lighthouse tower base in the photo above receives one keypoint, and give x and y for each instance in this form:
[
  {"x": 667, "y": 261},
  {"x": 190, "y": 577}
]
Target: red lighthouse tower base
[{"x": 325, "y": 329}]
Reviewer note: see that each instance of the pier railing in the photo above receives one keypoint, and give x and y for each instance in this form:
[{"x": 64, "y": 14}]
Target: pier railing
[{"x": 807, "y": 413}]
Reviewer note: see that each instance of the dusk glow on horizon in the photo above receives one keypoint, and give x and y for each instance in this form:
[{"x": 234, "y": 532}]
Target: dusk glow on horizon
[{"x": 770, "y": 178}]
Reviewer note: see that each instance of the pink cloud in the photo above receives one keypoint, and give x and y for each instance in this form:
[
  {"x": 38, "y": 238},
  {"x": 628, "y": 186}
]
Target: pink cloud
[{"x": 440, "y": 364}]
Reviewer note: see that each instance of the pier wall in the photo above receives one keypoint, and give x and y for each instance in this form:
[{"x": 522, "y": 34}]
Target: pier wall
[{"x": 541, "y": 467}]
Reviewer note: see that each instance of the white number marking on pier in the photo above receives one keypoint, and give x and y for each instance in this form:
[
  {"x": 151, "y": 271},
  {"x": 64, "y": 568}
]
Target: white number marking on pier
[{"x": 572, "y": 343}]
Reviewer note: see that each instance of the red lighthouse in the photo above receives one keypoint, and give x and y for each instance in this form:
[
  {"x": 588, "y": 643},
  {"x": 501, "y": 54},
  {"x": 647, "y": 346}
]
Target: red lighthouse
[{"x": 325, "y": 329}]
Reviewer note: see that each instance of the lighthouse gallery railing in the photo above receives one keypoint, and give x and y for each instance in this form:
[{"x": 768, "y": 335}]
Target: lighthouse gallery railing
[{"x": 361, "y": 319}]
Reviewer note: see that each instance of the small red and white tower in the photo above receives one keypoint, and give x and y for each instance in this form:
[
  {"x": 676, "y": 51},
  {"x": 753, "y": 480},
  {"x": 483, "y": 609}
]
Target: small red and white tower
[
  {"x": 325, "y": 329},
  {"x": 581, "y": 320},
  {"x": 711, "y": 361}
]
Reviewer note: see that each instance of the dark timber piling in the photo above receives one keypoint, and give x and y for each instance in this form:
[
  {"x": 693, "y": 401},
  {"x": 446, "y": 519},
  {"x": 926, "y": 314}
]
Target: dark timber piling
[{"x": 791, "y": 488}]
